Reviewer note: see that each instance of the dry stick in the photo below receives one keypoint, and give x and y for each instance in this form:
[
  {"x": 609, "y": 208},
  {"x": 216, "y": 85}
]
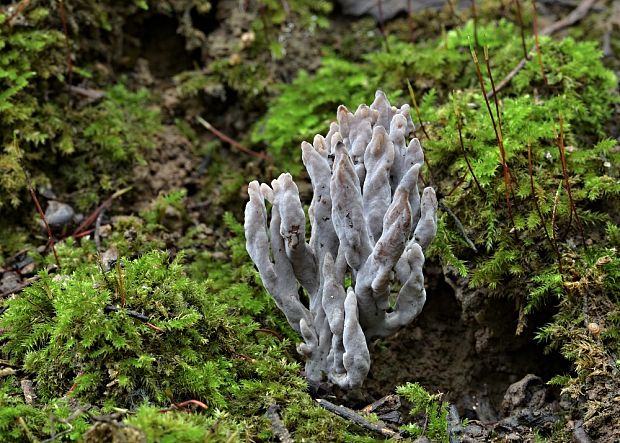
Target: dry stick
[
  {"x": 567, "y": 186},
  {"x": 553, "y": 244},
  {"x": 208, "y": 126},
  {"x": 471, "y": 170},
  {"x": 459, "y": 226},
  {"x": 500, "y": 143},
  {"x": 356, "y": 418},
  {"x": 538, "y": 51},
  {"x": 576, "y": 15},
  {"x": 277, "y": 425},
  {"x": 522, "y": 28}
]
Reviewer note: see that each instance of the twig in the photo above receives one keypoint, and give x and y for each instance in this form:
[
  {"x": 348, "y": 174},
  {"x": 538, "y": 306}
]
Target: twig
[
  {"x": 351, "y": 415},
  {"x": 537, "y": 42},
  {"x": 459, "y": 226},
  {"x": 208, "y": 126},
  {"x": 277, "y": 425},
  {"x": 143, "y": 318},
  {"x": 576, "y": 15}
]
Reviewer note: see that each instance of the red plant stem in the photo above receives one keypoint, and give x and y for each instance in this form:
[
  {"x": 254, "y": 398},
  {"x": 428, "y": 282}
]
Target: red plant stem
[
  {"x": 381, "y": 25},
  {"x": 498, "y": 136},
  {"x": 474, "y": 15},
  {"x": 50, "y": 237},
  {"x": 208, "y": 126},
  {"x": 521, "y": 27},
  {"x": 410, "y": 19},
  {"x": 471, "y": 170},
  {"x": 536, "y": 40},
  {"x": 567, "y": 186},
  {"x": 63, "y": 19},
  {"x": 553, "y": 244}
]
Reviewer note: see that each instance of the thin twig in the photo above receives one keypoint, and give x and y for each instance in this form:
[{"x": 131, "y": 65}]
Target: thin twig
[
  {"x": 208, "y": 126},
  {"x": 351, "y": 415},
  {"x": 576, "y": 15},
  {"x": 277, "y": 425},
  {"x": 459, "y": 226}
]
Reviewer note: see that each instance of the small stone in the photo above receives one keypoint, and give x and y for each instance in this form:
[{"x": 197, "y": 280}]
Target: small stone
[
  {"x": 105, "y": 231},
  {"x": 10, "y": 282},
  {"x": 58, "y": 214}
]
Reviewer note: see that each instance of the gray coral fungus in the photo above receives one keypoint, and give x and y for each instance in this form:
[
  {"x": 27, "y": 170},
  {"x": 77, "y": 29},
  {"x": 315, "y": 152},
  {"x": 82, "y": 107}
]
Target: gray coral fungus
[{"x": 367, "y": 220}]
